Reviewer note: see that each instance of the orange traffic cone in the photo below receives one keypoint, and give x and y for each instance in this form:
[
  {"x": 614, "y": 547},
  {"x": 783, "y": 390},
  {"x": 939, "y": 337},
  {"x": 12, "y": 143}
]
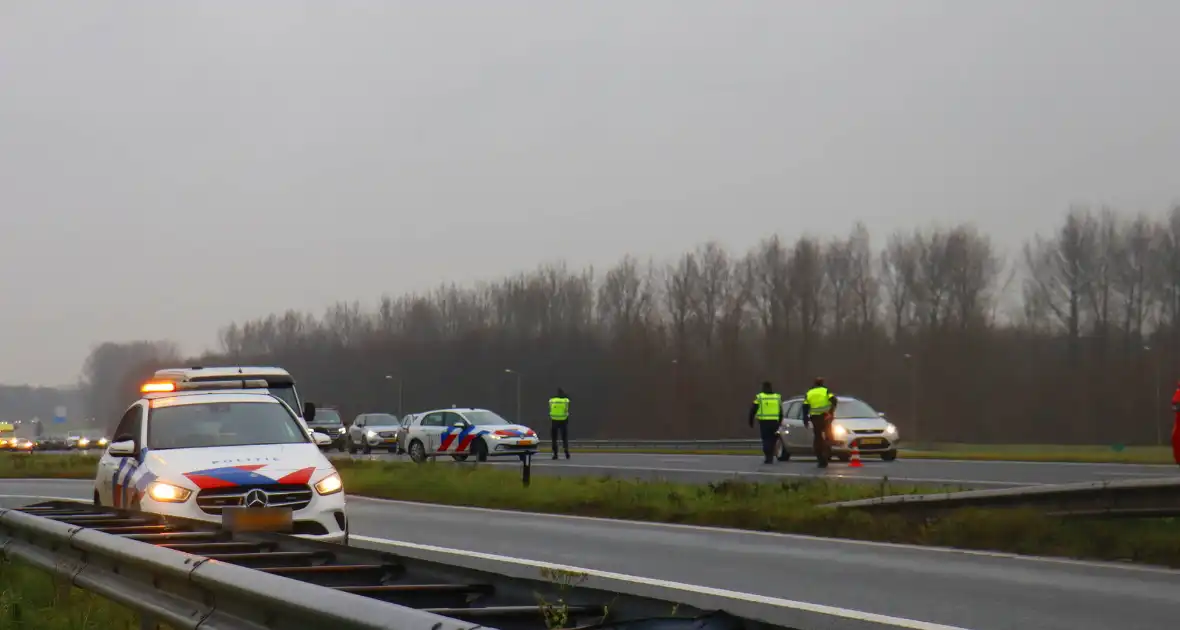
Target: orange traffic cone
[{"x": 855, "y": 461}]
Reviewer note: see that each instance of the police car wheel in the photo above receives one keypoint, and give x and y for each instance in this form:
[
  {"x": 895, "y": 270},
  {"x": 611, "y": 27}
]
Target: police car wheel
[
  {"x": 888, "y": 456},
  {"x": 417, "y": 452},
  {"x": 481, "y": 450}
]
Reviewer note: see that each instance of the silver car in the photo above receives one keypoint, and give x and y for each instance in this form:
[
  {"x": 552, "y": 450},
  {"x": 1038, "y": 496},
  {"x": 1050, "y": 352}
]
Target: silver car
[
  {"x": 373, "y": 430},
  {"x": 855, "y": 422}
]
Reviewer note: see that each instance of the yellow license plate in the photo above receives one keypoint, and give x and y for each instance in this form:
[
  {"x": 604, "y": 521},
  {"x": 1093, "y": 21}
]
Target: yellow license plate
[
  {"x": 257, "y": 519},
  {"x": 527, "y": 441},
  {"x": 871, "y": 442}
]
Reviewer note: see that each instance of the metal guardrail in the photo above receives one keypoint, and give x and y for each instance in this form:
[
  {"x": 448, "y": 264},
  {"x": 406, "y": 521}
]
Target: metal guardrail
[
  {"x": 1123, "y": 498},
  {"x": 670, "y": 445},
  {"x": 191, "y": 575}
]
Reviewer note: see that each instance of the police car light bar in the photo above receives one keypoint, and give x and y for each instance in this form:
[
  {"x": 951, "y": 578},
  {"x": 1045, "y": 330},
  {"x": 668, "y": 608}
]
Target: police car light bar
[{"x": 193, "y": 386}]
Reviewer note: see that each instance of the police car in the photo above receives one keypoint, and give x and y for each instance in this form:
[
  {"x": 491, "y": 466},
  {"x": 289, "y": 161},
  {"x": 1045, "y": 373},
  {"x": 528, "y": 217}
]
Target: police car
[
  {"x": 461, "y": 433},
  {"x": 194, "y": 449}
]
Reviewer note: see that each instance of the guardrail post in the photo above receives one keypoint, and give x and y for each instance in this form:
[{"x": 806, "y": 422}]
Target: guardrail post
[{"x": 526, "y": 468}]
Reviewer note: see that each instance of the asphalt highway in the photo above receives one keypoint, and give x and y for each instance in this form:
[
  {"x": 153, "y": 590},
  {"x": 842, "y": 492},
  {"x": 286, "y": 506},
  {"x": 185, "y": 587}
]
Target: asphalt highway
[
  {"x": 978, "y": 591},
  {"x": 703, "y": 468}
]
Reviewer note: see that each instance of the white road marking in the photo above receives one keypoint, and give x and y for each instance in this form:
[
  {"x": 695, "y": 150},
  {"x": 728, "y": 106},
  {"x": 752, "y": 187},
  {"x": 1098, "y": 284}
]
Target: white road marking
[
  {"x": 846, "y": 613},
  {"x": 744, "y": 532}
]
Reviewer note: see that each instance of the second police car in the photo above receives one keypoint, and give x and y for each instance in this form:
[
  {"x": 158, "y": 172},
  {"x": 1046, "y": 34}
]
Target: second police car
[
  {"x": 191, "y": 449},
  {"x": 461, "y": 433}
]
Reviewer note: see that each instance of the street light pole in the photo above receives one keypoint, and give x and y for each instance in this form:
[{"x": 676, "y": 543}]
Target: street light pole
[
  {"x": 517, "y": 374},
  {"x": 389, "y": 377}
]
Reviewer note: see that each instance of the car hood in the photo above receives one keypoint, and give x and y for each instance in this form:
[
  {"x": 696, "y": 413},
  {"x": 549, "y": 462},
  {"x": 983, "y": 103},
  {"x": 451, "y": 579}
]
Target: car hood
[
  {"x": 862, "y": 424},
  {"x": 232, "y": 466}
]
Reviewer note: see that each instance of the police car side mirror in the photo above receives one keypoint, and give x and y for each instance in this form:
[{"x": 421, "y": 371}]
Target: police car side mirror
[
  {"x": 321, "y": 439},
  {"x": 122, "y": 448}
]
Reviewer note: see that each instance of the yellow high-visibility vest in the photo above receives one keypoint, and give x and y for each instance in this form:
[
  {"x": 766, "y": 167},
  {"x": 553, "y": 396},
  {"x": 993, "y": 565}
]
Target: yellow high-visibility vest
[
  {"x": 559, "y": 409},
  {"x": 769, "y": 405}
]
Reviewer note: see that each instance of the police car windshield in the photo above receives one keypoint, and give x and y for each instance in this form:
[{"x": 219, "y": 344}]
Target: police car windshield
[
  {"x": 484, "y": 418},
  {"x": 848, "y": 408},
  {"x": 326, "y": 416},
  {"x": 206, "y": 425}
]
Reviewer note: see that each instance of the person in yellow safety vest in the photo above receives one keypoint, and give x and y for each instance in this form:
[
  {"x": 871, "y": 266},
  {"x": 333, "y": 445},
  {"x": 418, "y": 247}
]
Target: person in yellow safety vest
[
  {"x": 559, "y": 415},
  {"x": 819, "y": 406},
  {"x": 768, "y": 410}
]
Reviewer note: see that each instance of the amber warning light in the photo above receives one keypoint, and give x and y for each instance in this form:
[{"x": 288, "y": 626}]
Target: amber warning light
[{"x": 158, "y": 387}]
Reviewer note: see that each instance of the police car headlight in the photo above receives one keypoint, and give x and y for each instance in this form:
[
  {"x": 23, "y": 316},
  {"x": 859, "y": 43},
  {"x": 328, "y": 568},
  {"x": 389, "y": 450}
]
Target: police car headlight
[
  {"x": 168, "y": 493},
  {"x": 329, "y": 485},
  {"x": 890, "y": 429},
  {"x": 839, "y": 431}
]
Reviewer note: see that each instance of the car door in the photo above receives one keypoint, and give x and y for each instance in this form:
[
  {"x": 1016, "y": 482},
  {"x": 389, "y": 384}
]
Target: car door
[
  {"x": 797, "y": 435},
  {"x": 113, "y": 470},
  {"x": 431, "y": 428},
  {"x": 452, "y": 441}
]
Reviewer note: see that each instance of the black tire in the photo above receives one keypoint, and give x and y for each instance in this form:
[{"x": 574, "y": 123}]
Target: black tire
[
  {"x": 889, "y": 456},
  {"x": 340, "y": 447},
  {"x": 417, "y": 452},
  {"x": 459, "y": 458},
  {"x": 481, "y": 450},
  {"x": 783, "y": 453},
  {"x": 351, "y": 446}
]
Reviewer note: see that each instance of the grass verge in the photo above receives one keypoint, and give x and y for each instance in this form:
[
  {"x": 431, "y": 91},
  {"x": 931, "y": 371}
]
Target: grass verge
[
  {"x": 34, "y": 600},
  {"x": 793, "y": 507},
  {"x": 1084, "y": 454}
]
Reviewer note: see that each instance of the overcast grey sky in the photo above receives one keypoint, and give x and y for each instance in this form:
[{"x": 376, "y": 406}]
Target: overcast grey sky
[{"x": 167, "y": 167}]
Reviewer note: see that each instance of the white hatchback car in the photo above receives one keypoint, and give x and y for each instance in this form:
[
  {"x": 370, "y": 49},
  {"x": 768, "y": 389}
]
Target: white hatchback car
[
  {"x": 464, "y": 432},
  {"x": 191, "y": 450}
]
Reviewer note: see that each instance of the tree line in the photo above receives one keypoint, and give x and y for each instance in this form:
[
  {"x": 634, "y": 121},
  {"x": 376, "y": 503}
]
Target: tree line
[{"x": 1072, "y": 339}]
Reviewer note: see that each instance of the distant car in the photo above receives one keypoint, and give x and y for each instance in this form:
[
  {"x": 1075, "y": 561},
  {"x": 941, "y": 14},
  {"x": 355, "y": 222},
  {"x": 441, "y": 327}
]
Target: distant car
[
  {"x": 23, "y": 445},
  {"x": 75, "y": 440},
  {"x": 373, "y": 430},
  {"x": 461, "y": 433},
  {"x": 52, "y": 443},
  {"x": 855, "y": 422},
  {"x": 327, "y": 421}
]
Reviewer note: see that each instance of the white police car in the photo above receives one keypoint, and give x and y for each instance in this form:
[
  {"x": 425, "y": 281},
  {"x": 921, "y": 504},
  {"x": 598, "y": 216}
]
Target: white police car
[
  {"x": 194, "y": 449},
  {"x": 461, "y": 433}
]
